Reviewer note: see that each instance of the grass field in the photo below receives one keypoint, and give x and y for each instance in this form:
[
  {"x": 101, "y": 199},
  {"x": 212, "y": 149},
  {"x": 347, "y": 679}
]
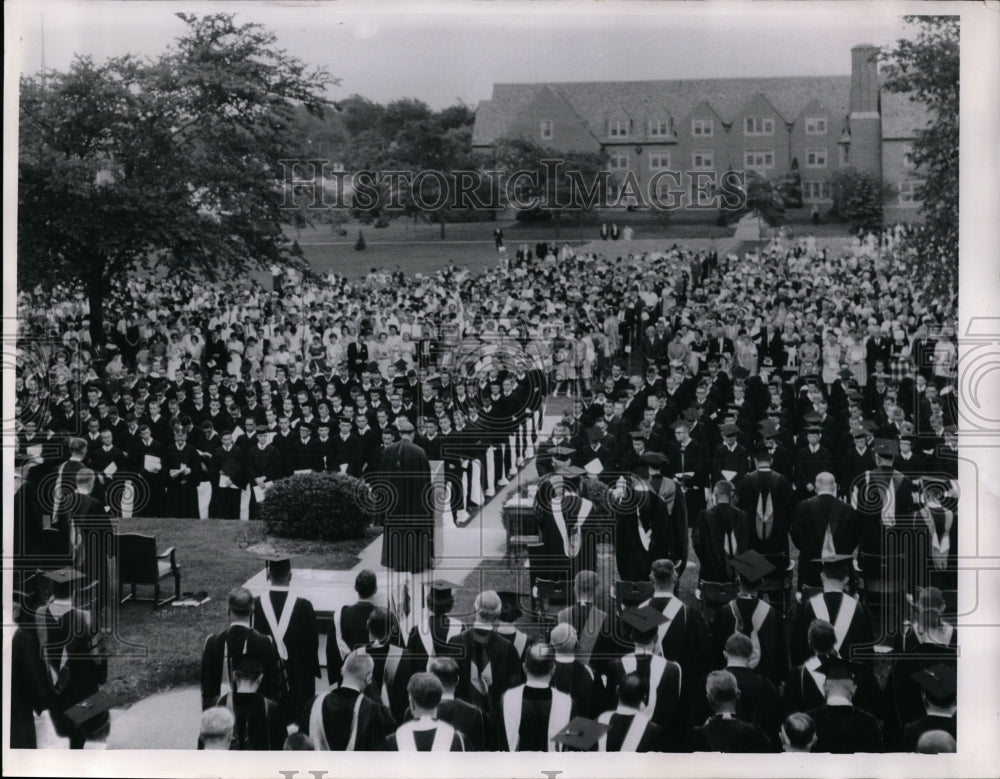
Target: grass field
[{"x": 160, "y": 649}]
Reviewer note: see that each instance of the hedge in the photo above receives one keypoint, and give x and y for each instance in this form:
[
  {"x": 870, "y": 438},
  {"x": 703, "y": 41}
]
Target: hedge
[{"x": 324, "y": 506}]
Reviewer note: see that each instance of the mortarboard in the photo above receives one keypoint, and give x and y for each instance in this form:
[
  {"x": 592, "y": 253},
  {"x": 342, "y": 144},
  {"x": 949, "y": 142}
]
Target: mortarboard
[
  {"x": 837, "y": 565},
  {"x": 510, "y": 605},
  {"x": 581, "y": 734},
  {"x": 279, "y": 566},
  {"x": 637, "y": 434},
  {"x": 594, "y": 435},
  {"x": 939, "y": 682},
  {"x": 400, "y": 365},
  {"x": 63, "y": 576},
  {"x": 372, "y": 367},
  {"x": 885, "y": 447},
  {"x": 561, "y": 452},
  {"x": 839, "y": 669},
  {"x": 752, "y": 567},
  {"x": 643, "y": 621},
  {"x": 858, "y": 431},
  {"x": 440, "y": 588},
  {"x": 654, "y": 458},
  {"x": 729, "y": 430},
  {"x": 691, "y": 414},
  {"x": 633, "y": 593},
  {"x": 570, "y": 471},
  {"x": 550, "y": 590},
  {"x": 89, "y": 708}
]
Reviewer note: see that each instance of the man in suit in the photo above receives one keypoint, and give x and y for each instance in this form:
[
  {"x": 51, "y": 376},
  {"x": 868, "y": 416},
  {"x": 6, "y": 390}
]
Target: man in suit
[
  {"x": 851, "y": 621},
  {"x": 487, "y": 663},
  {"x": 766, "y": 497},
  {"x": 461, "y": 715},
  {"x": 841, "y": 727},
  {"x": 293, "y": 633},
  {"x": 426, "y": 731},
  {"x": 724, "y": 731},
  {"x": 223, "y": 652},
  {"x": 531, "y": 714},
  {"x": 345, "y": 719},
  {"x": 822, "y": 525},
  {"x": 630, "y": 728}
]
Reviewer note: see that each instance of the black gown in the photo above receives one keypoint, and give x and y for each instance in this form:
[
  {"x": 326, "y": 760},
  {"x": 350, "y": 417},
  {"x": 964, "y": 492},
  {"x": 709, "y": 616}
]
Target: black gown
[{"x": 403, "y": 485}]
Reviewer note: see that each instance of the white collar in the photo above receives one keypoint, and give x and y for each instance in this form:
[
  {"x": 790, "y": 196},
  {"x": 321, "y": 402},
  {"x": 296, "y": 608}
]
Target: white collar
[
  {"x": 838, "y": 700},
  {"x": 537, "y": 684},
  {"x": 626, "y": 710},
  {"x": 565, "y": 659}
]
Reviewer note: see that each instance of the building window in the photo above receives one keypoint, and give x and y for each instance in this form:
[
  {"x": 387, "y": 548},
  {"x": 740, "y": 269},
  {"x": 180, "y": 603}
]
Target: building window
[
  {"x": 815, "y": 158},
  {"x": 815, "y": 125},
  {"x": 845, "y": 155},
  {"x": 659, "y": 160},
  {"x": 813, "y": 191},
  {"x": 758, "y": 125},
  {"x": 908, "y": 193},
  {"x": 758, "y": 160},
  {"x": 702, "y": 160},
  {"x": 618, "y": 160},
  {"x": 546, "y": 129},
  {"x": 659, "y": 128},
  {"x": 618, "y": 128},
  {"x": 908, "y": 156},
  {"x": 702, "y": 128}
]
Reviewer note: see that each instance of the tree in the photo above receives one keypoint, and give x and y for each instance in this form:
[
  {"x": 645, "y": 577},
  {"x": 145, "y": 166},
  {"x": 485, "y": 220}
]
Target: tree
[
  {"x": 858, "y": 198},
  {"x": 927, "y": 69},
  {"x": 764, "y": 199},
  {"x": 171, "y": 163}
]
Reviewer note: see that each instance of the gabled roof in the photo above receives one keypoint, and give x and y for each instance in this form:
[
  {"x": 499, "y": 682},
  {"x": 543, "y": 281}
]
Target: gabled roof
[
  {"x": 591, "y": 100},
  {"x": 902, "y": 116}
]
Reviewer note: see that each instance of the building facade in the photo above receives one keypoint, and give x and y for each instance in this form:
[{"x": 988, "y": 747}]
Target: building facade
[{"x": 814, "y": 125}]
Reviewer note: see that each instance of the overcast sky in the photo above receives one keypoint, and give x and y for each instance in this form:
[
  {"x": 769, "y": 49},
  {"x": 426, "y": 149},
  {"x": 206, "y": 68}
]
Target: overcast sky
[{"x": 442, "y": 53}]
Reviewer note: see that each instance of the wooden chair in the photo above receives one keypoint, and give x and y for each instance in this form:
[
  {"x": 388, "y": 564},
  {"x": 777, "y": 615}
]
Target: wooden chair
[{"x": 139, "y": 563}]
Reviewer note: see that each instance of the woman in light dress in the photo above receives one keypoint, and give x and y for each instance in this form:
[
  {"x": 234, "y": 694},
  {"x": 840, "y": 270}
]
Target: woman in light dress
[
  {"x": 832, "y": 355},
  {"x": 855, "y": 355}
]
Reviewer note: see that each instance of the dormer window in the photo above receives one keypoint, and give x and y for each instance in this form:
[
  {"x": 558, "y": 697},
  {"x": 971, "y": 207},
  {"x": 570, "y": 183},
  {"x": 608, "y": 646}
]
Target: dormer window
[
  {"x": 702, "y": 128},
  {"x": 758, "y": 125},
  {"x": 659, "y": 128},
  {"x": 618, "y": 128}
]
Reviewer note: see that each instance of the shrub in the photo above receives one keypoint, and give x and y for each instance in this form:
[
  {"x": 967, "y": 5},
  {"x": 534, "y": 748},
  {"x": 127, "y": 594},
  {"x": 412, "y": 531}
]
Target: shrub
[
  {"x": 359, "y": 245},
  {"x": 325, "y": 506}
]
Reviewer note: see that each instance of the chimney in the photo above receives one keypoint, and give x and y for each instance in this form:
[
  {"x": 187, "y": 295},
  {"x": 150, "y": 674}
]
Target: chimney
[{"x": 864, "y": 80}]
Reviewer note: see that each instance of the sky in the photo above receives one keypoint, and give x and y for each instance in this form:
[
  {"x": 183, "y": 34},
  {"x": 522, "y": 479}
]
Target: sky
[{"x": 443, "y": 53}]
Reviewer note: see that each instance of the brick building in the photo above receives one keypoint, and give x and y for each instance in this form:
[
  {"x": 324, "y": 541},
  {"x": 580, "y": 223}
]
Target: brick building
[{"x": 818, "y": 124}]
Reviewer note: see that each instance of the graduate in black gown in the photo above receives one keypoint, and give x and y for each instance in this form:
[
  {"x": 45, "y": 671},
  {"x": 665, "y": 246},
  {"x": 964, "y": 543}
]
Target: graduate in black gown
[
  {"x": 259, "y": 724},
  {"x": 724, "y": 731},
  {"x": 841, "y": 727},
  {"x": 404, "y": 473},
  {"x": 295, "y": 636},
  {"x": 429, "y": 639}
]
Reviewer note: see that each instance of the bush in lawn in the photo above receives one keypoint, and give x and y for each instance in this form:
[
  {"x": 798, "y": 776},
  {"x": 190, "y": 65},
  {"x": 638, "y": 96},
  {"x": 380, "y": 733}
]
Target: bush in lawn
[
  {"x": 359, "y": 245},
  {"x": 322, "y": 506}
]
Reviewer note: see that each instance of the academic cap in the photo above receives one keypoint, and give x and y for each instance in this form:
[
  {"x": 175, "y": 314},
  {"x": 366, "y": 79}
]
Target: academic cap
[
  {"x": 691, "y": 414},
  {"x": 561, "y": 452},
  {"x": 400, "y": 365},
  {"x": 581, "y": 734},
  {"x": 729, "y": 430},
  {"x": 440, "y": 588},
  {"x": 885, "y": 447},
  {"x": 639, "y": 434},
  {"x": 279, "y": 566},
  {"x": 570, "y": 471},
  {"x": 552, "y": 590},
  {"x": 372, "y": 367},
  {"x": 643, "y": 620},
  {"x": 63, "y": 576},
  {"x": 752, "y": 566},
  {"x": 838, "y": 565},
  {"x": 89, "y": 708},
  {"x": 594, "y": 435},
  {"x": 633, "y": 593},
  {"x": 839, "y": 669},
  {"x": 654, "y": 458},
  {"x": 510, "y": 606},
  {"x": 938, "y": 681}
]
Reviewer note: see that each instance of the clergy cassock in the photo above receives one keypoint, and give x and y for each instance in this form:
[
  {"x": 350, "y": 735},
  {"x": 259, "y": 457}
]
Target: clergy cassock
[
  {"x": 630, "y": 731},
  {"x": 408, "y": 543},
  {"x": 561, "y": 523},
  {"x": 393, "y": 669},
  {"x": 291, "y": 622},
  {"x": 347, "y": 720},
  {"x": 720, "y": 534},
  {"x": 427, "y": 734},
  {"x": 684, "y": 636},
  {"x": 851, "y": 623},
  {"x": 822, "y": 526},
  {"x": 530, "y": 718},
  {"x": 757, "y": 619},
  {"x": 766, "y": 496},
  {"x": 488, "y": 666},
  {"x": 664, "y": 701}
]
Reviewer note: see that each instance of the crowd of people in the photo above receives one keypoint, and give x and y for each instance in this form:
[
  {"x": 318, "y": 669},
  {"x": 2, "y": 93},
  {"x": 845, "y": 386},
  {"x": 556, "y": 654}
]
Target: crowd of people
[{"x": 730, "y": 406}]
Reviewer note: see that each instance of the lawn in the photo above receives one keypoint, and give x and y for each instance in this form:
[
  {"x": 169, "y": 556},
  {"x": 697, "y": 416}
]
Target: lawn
[{"x": 157, "y": 650}]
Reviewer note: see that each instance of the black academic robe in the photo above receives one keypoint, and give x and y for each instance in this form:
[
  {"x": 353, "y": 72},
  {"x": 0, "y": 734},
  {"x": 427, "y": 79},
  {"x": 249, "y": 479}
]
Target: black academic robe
[
  {"x": 869, "y": 500},
  {"x": 408, "y": 543},
  {"x": 431, "y": 639},
  {"x": 845, "y": 730},
  {"x": 902, "y": 693},
  {"x": 583, "y": 685},
  {"x": 260, "y": 726},
  {"x": 859, "y": 632},
  {"x": 390, "y": 679},
  {"x": 653, "y": 739},
  {"x": 914, "y": 730},
  {"x": 533, "y": 728},
  {"x": 773, "y": 661},
  {"x": 225, "y": 502},
  {"x": 565, "y": 556},
  {"x": 716, "y": 527},
  {"x": 727, "y": 734},
  {"x": 684, "y": 637},
  {"x": 330, "y": 716},
  {"x": 29, "y": 686},
  {"x": 465, "y": 718},
  {"x": 643, "y": 513},
  {"x": 302, "y": 646},
  {"x": 803, "y": 689},
  {"x": 474, "y": 650},
  {"x": 181, "y": 490},
  {"x": 665, "y": 703},
  {"x": 760, "y": 483},
  {"x": 810, "y": 522},
  {"x": 424, "y": 739},
  {"x": 808, "y": 465},
  {"x": 227, "y": 648},
  {"x": 737, "y": 460}
]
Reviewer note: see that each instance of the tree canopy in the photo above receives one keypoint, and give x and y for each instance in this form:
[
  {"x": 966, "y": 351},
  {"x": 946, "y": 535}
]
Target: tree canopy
[{"x": 172, "y": 162}]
